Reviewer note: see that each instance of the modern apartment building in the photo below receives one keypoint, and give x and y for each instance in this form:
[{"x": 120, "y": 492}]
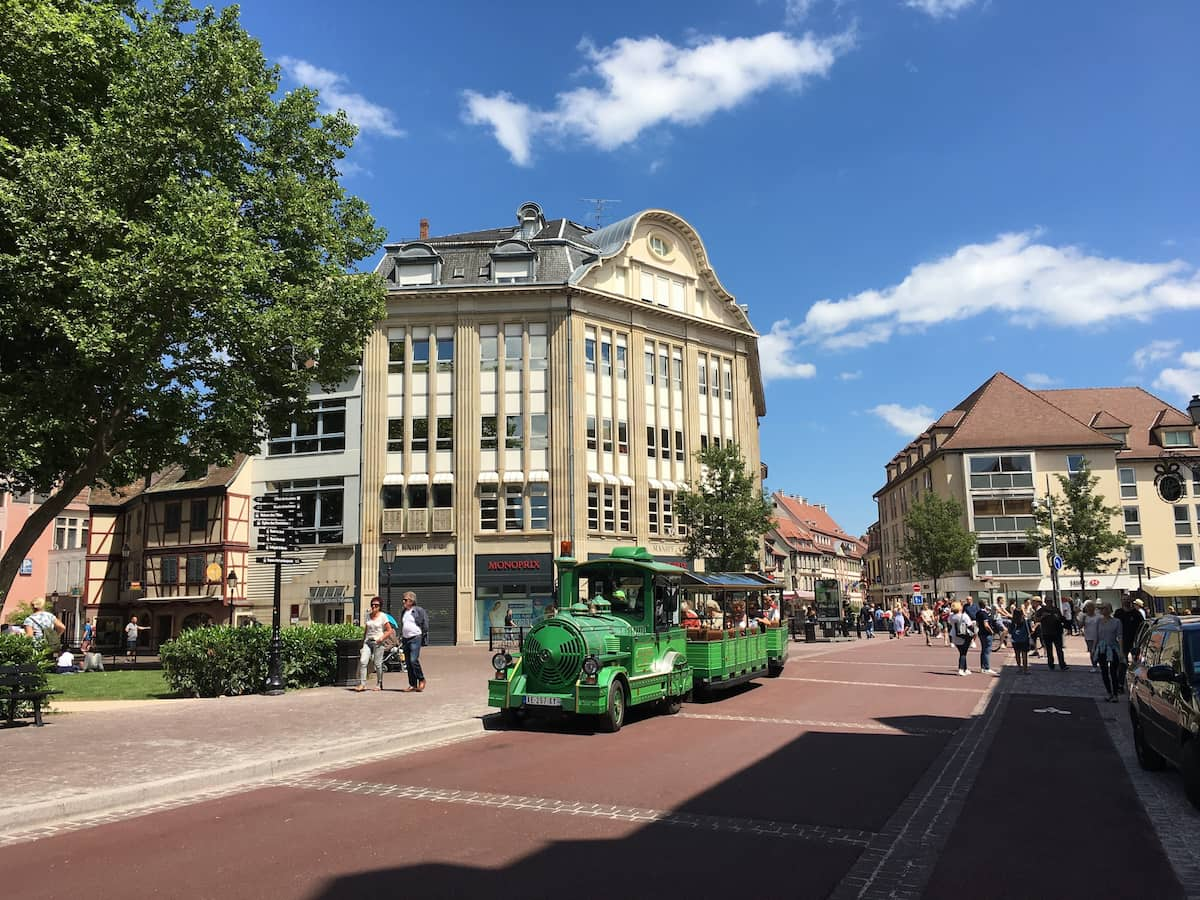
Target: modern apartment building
[
  {"x": 537, "y": 383},
  {"x": 999, "y": 451}
]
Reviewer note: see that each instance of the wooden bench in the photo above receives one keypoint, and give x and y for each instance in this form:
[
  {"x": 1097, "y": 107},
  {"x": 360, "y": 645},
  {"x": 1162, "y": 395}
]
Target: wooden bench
[{"x": 19, "y": 683}]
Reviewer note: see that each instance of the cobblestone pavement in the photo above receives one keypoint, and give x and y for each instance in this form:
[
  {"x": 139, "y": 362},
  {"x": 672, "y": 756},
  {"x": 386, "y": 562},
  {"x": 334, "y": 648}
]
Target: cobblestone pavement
[{"x": 858, "y": 774}]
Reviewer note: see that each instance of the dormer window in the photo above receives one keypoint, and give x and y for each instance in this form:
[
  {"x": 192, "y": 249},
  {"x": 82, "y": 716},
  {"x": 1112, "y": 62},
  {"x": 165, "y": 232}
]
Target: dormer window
[
  {"x": 416, "y": 265},
  {"x": 513, "y": 262},
  {"x": 659, "y": 246},
  {"x": 1178, "y": 438}
]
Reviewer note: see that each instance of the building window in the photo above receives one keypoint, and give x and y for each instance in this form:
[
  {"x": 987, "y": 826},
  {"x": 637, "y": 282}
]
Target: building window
[
  {"x": 396, "y": 354},
  {"x": 606, "y": 435},
  {"x": 716, "y": 380},
  {"x": 445, "y": 354},
  {"x": 606, "y": 355},
  {"x": 420, "y": 435},
  {"x": 659, "y": 247},
  {"x": 622, "y": 364},
  {"x": 1186, "y": 556},
  {"x": 489, "y": 348},
  {"x": 664, "y": 365},
  {"x": 1183, "y": 522},
  {"x": 1128, "y": 480},
  {"x": 1135, "y": 553},
  {"x": 68, "y": 535},
  {"x": 589, "y": 354},
  {"x": 488, "y": 508},
  {"x": 513, "y": 346},
  {"x": 651, "y": 449},
  {"x": 514, "y": 507},
  {"x": 537, "y": 346},
  {"x": 998, "y": 472},
  {"x": 679, "y": 446},
  {"x": 513, "y": 271},
  {"x": 395, "y": 436},
  {"x": 624, "y": 500},
  {"x": 199, "y": 515},
  {"x": 1074, "y": 464},
  {"x": 320, "y": 429},
  {"x": 170, "y": 570},
  {"x": 1002, "y": 514},
  {"x": 487, "y": 433},
  {"x": 652, "y": 518},
  {"x": 664, "y": 445},
  {"x": 445, "y": 433},
  {"x": 539, "y": 506},
  {"x": 539, "y": 434},
  {"x": 668, "y": 512},
  {"x": 623, "y": 437},
  {"x": 928, "y": 480},
  {"x": 172, "y": 516},
  {"x": 513, "y": 437},
  {"x": 195, "y": 570},
  {"x": 591, "y": 432},
  {"x": 728, "y": 369},
  {"x": 1177, "y": 439},
  {"x": 593, "y": 507},
  {"x": 649, "y": 368},
  {"x": 1008, "y": 558},
  {"x": 1133, "y": 521},
  {"x": 321, "y": 509},
  {"x": 420, "y": 352},
  {"x": 610, "y": 509},
  {"x": 677, "y": 369}
]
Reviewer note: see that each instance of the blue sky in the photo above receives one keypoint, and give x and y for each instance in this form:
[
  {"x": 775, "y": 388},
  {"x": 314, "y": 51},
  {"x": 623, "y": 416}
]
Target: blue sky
[{"x": 909, "y": 194}]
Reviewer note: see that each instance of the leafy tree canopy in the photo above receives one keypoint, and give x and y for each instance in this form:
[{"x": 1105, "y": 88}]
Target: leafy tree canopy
[
  {"x": 1083, "y": 529},
  {"x": 173, "y": 242},
  {"x": 935, "y": 539},
  {"x": 726, "y": 514}
]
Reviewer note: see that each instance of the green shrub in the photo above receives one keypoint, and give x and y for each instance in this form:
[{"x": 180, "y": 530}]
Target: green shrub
[
  {"x": 221, "y": 659},
  {"x": 18, "y": 650}
]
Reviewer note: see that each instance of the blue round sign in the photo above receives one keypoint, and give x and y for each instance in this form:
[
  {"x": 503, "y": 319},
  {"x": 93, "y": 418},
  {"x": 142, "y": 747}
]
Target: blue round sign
[{"x": 1057, "y": 562}]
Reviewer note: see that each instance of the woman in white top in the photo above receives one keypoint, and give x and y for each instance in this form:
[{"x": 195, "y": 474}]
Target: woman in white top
[
  {"x": 1091, "y": 622},
  {"x": 377, "y": 628},
  {"x": 961, "y": 631},
  {"x": 1109, "y": 652}
]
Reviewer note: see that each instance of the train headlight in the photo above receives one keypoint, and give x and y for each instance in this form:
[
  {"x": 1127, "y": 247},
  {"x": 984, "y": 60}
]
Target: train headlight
[
  {"x": 500, "y": 661},
  {"x": 591, "y": 666}
]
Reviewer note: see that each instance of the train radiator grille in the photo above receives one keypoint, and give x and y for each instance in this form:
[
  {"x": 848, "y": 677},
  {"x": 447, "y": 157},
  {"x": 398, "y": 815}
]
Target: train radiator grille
[{"x": 553, "y": 655}]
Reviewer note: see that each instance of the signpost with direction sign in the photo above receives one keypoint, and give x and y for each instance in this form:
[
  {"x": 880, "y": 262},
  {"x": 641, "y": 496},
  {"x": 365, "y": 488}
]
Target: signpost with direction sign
[{"x": 276, "y": 517}]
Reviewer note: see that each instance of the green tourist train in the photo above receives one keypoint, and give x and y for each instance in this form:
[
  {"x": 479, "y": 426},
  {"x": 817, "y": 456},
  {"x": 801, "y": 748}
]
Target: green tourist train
[{"x": 630, "y": 631}]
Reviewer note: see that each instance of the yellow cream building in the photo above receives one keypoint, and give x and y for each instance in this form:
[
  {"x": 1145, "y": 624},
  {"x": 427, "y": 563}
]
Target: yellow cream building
[{"x": 538, "y": 383}]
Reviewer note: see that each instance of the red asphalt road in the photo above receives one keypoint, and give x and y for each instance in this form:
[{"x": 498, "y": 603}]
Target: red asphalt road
[{"x": 825, "y": 753}]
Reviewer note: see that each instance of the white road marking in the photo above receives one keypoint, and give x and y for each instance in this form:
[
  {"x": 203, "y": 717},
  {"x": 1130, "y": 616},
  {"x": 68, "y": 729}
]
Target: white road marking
[
  {"x": 885, "y": 684},
  {"x": 815, "y": 723}
]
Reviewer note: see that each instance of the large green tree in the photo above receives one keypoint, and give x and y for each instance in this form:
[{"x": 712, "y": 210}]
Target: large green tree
[
  {"x": 1083, "y": 530},
  {"x": 726, "y": 513},
  {"x": 176, "y": 252},
  {"x": 935, "y": 539}
]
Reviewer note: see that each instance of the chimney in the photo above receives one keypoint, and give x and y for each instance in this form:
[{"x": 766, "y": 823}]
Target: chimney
[{"x": 424, "y": 229}]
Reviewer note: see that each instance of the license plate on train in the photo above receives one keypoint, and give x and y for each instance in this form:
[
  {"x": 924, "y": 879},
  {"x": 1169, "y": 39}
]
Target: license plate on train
[{"x": 543, "y": 701}]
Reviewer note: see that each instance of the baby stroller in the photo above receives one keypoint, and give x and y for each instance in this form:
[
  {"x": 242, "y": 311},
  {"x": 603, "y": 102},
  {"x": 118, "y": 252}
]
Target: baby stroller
[{"x": 393, "y": 659}]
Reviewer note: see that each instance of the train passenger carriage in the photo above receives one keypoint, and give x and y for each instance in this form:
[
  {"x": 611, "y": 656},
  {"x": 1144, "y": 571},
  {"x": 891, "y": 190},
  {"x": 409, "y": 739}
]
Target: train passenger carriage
[{"x": 631, "y": 631}]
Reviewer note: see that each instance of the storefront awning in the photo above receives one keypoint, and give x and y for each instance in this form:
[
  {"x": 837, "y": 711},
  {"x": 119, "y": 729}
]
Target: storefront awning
[
  {"x": 595, "y": 478},
  {"x": 489, "y": 477},
  {"x": 393, "y": 478},
  {"x": 418, "y": 478},
  {"x": 610, "y": 478},
  {"x": 539, "y": 475},
  {"x": 625, "y": 480},
  {"x": 443, "y": 478},
  {"x": 655, "y": 484},
  {"x": 512, "y": 477}
]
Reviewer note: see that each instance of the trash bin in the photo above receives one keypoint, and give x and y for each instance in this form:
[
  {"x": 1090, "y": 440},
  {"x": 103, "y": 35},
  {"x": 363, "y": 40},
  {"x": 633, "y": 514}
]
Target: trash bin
[
  {"x": 810, "y": 632},
  {"x": 347, "y": 663}
]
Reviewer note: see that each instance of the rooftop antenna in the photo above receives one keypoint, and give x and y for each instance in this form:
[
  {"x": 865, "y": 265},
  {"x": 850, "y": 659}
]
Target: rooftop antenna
[{"x": 598, "y": 205}]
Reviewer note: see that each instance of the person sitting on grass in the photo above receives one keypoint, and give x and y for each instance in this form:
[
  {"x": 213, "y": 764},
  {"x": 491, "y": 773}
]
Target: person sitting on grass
[{"x": 65, "y": 664}]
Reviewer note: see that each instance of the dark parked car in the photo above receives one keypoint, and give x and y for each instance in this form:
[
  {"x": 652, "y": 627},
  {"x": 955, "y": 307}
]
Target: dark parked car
[{"x": 1164, "y": 698}]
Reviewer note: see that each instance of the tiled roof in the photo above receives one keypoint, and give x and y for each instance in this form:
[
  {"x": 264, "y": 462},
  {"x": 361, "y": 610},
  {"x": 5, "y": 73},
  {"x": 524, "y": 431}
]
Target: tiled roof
[
  {"x": 811, "y": 517},
  {"x": 1002, "y": 413},
  {"x": 1105, "y": 419},
  {"x": 168, "y": 479},
  {"x": 794, "y": 535},
  {"x": 1130, "y": 407}
]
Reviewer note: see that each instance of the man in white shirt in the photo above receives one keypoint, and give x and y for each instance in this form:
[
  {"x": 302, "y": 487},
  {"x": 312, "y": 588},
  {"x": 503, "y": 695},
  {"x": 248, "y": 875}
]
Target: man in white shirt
[{"x": 414, "y": 631}]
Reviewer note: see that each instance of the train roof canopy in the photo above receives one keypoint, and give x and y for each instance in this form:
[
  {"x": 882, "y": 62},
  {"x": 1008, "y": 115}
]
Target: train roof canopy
[{"x": 738, "y": 581}]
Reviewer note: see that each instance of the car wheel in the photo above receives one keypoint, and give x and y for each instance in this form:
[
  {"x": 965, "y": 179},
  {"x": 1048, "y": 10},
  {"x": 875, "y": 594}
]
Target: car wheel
[
  {"x": 1191, "y": 771},
  {"x": 1148, "y": 758},
  {"x": 613, "y": 718}
]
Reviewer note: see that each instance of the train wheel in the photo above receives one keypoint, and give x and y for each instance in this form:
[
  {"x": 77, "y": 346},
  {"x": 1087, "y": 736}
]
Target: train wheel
[
  {"x": 614, "y": 717},
  {"x": 672, "y": 705},
  {"x": 774, "y": 670}
]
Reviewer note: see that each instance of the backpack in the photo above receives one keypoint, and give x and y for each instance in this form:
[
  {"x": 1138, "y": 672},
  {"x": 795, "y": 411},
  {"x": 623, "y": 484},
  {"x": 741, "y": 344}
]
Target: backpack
[{"x": 965, "y": 627}]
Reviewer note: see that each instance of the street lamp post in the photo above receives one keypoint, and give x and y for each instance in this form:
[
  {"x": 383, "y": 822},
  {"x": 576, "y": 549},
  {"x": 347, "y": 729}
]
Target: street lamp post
[{"x": 388, "y": 552}]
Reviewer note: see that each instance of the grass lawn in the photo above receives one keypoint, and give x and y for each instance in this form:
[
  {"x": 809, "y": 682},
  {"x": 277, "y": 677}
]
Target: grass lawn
[{"x": 145, "y": 684}]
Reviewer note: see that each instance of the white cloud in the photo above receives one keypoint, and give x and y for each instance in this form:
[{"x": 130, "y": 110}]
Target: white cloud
[
  {"x": 850, "y": 376},
  {"x": 1183, "y": 379},
  {"x": 1030, "y": 283},
  {"x": 939, "y": 9},
  {"x": 332, "y": 87},
  {"x": 775, "y": 351},
  {"x": 1155, "y": 351},
  {"x": 650, "y": 81},
  {"x": 1040, "y": 380},
  {"x": 908, "y": 420}
]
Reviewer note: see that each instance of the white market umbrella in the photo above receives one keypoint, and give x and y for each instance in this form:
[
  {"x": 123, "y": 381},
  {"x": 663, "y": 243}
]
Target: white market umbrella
[{"x": 1184, "y": 583}]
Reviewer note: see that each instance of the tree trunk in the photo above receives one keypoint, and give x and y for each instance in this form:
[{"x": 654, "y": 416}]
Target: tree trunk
[{"x": 99, "y": 454}]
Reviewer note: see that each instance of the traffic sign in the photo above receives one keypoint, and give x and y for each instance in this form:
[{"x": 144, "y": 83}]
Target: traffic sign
[
  {"x": 917, "y": 599},
  {"x": 1057, "y": 562},
  {"x": 276, "y": 545},
  {"x": 279, "y": 561},
  {"x": 916, "y": 589},
  {"x": 276, "y": 501}
]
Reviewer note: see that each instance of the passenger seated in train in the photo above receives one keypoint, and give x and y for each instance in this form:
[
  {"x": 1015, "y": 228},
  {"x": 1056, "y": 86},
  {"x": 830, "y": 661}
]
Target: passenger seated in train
[
  {"x": 687, "y": 616},
  {"x": 740, "y": 620},
  {"x": 770, "y": 616},
  {"x": 713, "y": 617}
]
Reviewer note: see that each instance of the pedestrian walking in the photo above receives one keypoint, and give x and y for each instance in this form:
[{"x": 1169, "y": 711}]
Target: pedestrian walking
[
  {"x": 944, "y": 620},
  {"x": 1049, "y": 624},
  {"x": 89, "y": 635},
  {"x": 927, "y": 620},
  {"x": 44, "y": 627},
  {"x": 1091, "y": 621},
  {"x": 985, "y": 628},
  {"x": 963, "y": 628},
  {"x": 1019, "y": 633},
  {"x": 898, "y": 621},
  {"x": 1110, "y": 653},
  {"x": 1131, "y": 620},
  {"x": 868, "y": 617},
  {"x": 414, "y": 632},
  {"x": 376, "y": 630}
]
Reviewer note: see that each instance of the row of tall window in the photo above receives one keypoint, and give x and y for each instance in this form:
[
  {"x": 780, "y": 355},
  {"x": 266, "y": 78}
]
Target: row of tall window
[
  {"x": 509, "y": 507},
  {"x": 70, "y": 533}
]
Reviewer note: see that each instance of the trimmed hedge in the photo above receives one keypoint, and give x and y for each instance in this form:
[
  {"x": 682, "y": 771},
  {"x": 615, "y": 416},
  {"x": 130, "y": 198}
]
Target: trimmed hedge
[
  {"x": 18, "y": 650},
  {"x": 223, "y": 660}
]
